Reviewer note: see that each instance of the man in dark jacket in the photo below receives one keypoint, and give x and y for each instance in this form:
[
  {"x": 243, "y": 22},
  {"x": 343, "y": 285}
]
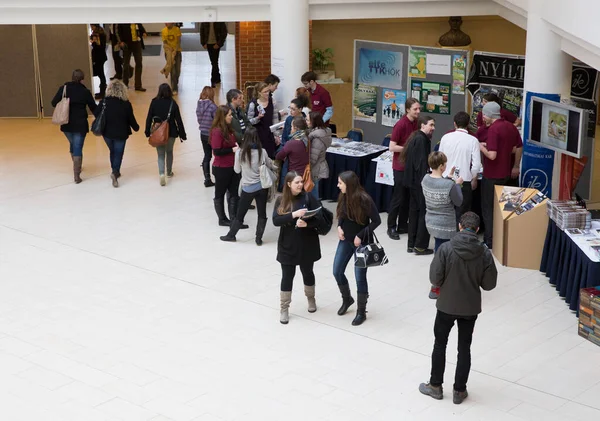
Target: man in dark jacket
[
  {"x": 132, "y": 41},
  {"x": 461, "y": 268},
  {"x": 212, "y": 38},
  {"x": 240, "y": 121}
]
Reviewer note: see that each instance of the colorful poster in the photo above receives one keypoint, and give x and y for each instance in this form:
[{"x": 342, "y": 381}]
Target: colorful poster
[
  {"x": 380, "y": 68},
  {"x": 459, "y": 66},
  {"x": 511, "y": 98},
  {"x": 365, "y": 103},
  {"x": 417, "y": 64},
  {"x": 433, "y": 96},
  {"x": 392, "y": 106}
]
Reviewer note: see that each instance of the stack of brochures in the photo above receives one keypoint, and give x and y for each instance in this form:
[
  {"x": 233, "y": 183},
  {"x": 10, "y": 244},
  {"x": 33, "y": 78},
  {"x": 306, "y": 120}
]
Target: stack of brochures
[{"x": 567, "y": 214}]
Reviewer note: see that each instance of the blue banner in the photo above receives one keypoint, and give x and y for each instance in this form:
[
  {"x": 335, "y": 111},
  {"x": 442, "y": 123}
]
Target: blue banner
[
  {"x": 537, "y": 163},
  {"x": 380, "y": 68}
]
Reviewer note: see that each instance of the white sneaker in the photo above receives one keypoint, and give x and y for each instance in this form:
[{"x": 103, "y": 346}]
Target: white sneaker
[{"x": 163, "y": 180}]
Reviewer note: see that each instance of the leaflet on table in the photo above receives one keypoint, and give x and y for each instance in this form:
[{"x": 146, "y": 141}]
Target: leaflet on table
[{"x": 386, "y": 156}]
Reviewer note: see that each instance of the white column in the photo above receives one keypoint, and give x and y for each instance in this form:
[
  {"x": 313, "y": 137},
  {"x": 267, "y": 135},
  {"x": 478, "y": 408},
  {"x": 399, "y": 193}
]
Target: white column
[
  {"x": 547, "y": 67},
  {"x": 289, "y": 46}
]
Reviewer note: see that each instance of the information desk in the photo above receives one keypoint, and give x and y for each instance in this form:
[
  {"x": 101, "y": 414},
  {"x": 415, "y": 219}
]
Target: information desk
[
  {"x": 568, "y": 266},
  {"x": 350, "y": 156}
]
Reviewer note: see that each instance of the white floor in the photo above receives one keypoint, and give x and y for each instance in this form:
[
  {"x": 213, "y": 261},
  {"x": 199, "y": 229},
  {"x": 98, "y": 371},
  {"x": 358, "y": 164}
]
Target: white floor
[{"x": 122, "y": 304}]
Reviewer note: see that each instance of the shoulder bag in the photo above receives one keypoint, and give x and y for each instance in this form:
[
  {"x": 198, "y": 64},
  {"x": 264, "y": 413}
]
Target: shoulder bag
[
  {"x": 267, "y": 178},
  {"x": 159, "y": 132},
  {"x": 370, "y": 255},
  {"x": 309, "y": 185},
  {"x": 100, "y": 122},
  {"x": 60, "y": 115}
]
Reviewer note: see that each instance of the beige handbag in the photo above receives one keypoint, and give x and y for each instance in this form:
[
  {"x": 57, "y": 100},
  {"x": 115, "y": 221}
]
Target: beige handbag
[{"x": 60, "y": 115}]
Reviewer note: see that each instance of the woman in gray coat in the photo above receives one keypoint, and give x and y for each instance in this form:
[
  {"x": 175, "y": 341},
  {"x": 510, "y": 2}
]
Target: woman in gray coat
[{"x": 320, "y": 140}]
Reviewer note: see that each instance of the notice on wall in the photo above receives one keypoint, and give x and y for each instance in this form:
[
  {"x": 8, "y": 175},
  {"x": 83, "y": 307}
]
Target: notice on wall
[
  {"x": 365, "y": 103},
  {"x": 380, "y": 68},
  {"x": 433, "y": 96},
  {"x": 392, "y": 106},
  {"x": 459, "y": 65},
  {"x": 438, "y": 64},
  {"x": 417, "y": 63}
]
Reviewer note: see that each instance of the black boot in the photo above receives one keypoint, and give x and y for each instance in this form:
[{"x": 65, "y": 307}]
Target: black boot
[
  {"x": 232, "y": 204},
  {"x": 347, "y": 299},
  {"x": 220, "y": 210},
  {"x": 235, "y": 227},
  {"x": 361, "y": 312},
  {"x": 260, "y": 230},
  {"x": 207, "y": 180}
]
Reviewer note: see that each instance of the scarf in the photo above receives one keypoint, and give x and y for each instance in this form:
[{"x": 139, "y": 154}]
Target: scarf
[{"x": 300, "y": 135}]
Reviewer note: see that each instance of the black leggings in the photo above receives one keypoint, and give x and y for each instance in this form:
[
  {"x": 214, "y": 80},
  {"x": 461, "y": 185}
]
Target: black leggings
[
  {"x": 225, "y": 180},
  {"x": 207, "y": 150},
  {"x": 289, "y": 271},
  {"x": 246, "y": 199}
]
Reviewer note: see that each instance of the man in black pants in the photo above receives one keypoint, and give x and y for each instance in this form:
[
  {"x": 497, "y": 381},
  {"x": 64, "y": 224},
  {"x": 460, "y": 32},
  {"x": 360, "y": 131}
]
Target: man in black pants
[
  {"x": 212, "y": 38},
  {"x": 461, "y": 267},
  {"x": 132, "y": 41},
  {"x": 115, "y": 42}
]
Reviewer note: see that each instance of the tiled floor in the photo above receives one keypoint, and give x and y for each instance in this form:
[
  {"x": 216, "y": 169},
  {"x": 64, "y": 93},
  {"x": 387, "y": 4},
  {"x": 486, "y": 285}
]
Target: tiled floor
[{"x": 122, "y": 304}]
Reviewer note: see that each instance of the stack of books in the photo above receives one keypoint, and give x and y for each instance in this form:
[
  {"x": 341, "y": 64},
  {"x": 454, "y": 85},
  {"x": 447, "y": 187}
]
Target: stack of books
[
  {"x": 567, "y": 214},
  {"x": 589, "y": 314}
]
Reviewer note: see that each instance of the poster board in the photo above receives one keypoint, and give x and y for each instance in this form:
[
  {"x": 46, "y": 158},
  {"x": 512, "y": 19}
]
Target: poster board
[{"x": 384, "y": 75}]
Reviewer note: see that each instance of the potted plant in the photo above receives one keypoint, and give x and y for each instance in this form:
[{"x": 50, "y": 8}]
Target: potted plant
[{"x": 323, "y": 64}]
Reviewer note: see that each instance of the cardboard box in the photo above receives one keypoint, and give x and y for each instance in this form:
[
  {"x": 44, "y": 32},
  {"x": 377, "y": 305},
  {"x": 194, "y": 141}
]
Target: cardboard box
[{"x": 519, "y": 239}]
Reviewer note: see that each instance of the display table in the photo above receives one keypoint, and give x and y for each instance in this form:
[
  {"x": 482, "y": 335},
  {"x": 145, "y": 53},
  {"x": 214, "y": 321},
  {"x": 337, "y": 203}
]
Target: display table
[
  {"x": 352, "y": 156},
  {"x": 567, "y": 265}
]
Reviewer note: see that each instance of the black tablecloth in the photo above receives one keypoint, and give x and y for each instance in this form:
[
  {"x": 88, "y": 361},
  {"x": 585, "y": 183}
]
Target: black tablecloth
[
  {"x": 340, "y": 163},
  {"x": 567, "y": 266}
]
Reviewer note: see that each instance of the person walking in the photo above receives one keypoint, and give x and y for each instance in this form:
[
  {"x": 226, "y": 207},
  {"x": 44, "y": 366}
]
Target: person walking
[
  {"x": 164, "y": 107},
  {"x": 80, "y": 98},
  {"x": 248, "y": 160},
  {"x": 442, "y": 197},
  {"x": 171, "y": 37},
  {"x": 397, "y": 220},
  {"x": 205, "y": 113},
  {"x": 462, "y": 151},
  {"x": 224, "y": 146},
  {"x": 132, "y": 42},
  {"x": 115, "y": 43},
  {"x": 212, "y": 38},
  {"x": 358, "y": 218},
  {"x": 119, "y": 120},
  {"x": 461, "y": 268},
  {"x": 320, "y": 140},
  {"x": 98, "y": 42},
  {"x": 261, "y": 114},
  {"x": 298, "y": 243},
  {"x": 240, "y": 121},
  {"x": 415, "y": 155},
  {"x": 297, "y": 149}
]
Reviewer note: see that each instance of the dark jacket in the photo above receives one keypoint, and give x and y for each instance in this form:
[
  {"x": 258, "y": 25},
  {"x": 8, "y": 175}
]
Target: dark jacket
[
  {"x": 119, "y": 118},
  {"x": 125, "y": 33},
  {"x": 461, "y": 268},
  {"x": 416, "y": 165},
  {"x": 159, "y": 108},
  {"x": 80, "y": 98},
  {"x": 220, "y": 32},
  {"x": 238, "y": 115},
  {"x": 365, "y": 230},
  {"x": 297, "y": 246}
]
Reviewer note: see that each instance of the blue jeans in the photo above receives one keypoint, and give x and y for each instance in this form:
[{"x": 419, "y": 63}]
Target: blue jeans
[
  {"x": 162, "y": 151},
  {"x": 315, "y": 190},
  {"x": 75, "y": 143},
  {"x": 343, "y": 254},
  {"x": 117, "y": 149},
  {"x": 438, "y": 243}
]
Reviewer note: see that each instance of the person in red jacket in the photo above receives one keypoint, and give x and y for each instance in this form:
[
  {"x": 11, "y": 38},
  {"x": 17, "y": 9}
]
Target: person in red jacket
[
  {"x": 296, "y": 149},
  {"x": 319, "y": 96}
]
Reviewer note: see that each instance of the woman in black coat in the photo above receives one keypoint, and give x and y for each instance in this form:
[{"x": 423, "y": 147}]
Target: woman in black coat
[
  {"x": 119, "y": 120},
  {"x": 80, "y": 98},
  {"x": 298, "y": 243},
  {"x": 415, "y": 155},
  {"x": 161, "y": 108}
]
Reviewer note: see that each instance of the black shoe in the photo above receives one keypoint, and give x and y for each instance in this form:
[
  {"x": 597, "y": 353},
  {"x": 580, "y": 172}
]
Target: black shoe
[
  {"x": 228, "y": 238},
  {"x": 423, "y": 252},
  {"x": 347, "y": 299},
  {"x": 402, "y": 230},
  {"x": 208, "y": 183},
  {"x": 244, "y": 227},
  {"x": 252, "y": 207},
  {"x": 459, "y": 397},
  {"x": 141, "y": 89},
  {"x": 361, "y": 311},
  {"x": 393, "y": 234},
  {"x": 259, "y": 241},
  {"x": 410, "y": 250}
]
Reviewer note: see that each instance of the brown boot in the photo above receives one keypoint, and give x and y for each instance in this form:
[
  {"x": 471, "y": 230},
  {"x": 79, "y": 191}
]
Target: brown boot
[
  {"x": 309, "y": 291},
  {"x": 77, "y": 161},
  {"x": 286, "y": 299}
]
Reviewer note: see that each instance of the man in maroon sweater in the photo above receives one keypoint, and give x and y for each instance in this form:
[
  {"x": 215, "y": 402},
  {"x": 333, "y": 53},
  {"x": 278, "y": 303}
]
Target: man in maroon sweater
[
  {"x": 398, "y": 212},
  {"x": 319, "y": 96}
]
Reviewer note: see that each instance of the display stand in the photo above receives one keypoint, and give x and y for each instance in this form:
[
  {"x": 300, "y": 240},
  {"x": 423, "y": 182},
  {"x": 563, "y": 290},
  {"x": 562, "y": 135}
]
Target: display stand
[{"x": 519, "y": 239}]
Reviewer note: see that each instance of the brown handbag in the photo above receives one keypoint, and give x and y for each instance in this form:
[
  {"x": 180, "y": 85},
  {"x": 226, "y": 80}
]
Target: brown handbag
[
  {"x": 309, "y": 185},
  {"x": 159, "y": 131}
]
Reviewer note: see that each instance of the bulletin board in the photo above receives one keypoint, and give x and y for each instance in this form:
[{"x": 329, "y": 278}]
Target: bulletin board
[{"x": 385, "y": 75}]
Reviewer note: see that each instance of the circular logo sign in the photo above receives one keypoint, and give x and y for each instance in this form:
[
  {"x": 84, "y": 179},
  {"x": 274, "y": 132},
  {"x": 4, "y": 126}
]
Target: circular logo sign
[{"x": 535, "y": 179}]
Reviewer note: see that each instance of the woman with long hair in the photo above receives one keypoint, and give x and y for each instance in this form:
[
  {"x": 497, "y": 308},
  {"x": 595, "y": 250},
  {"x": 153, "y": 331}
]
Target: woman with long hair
[
  {"x": 298, "y": 243},
  {"x": 320, "y": 140},
  {"x": 205, "y": 113},
  {"x": 415, "y": 157},
  {"x": 119, "y": 120},
  {"x": 296, "y": 150},
  {"x": 161, "y": 108},
  {"x": 224, "y": 146},
  {"x": 80, "y": 98},
  {"x": 248, "y": 160},
  {"x": 261, "y": 114},
  {"x": 357, "y": 219}
]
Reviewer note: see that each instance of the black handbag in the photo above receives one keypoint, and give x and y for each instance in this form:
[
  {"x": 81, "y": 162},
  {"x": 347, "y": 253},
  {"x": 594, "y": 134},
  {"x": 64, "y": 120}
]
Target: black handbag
[
  {"x": 325, "y": 221},
  {"x": 370, "y": 255},
  {"x": 100, "y": 122}
]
